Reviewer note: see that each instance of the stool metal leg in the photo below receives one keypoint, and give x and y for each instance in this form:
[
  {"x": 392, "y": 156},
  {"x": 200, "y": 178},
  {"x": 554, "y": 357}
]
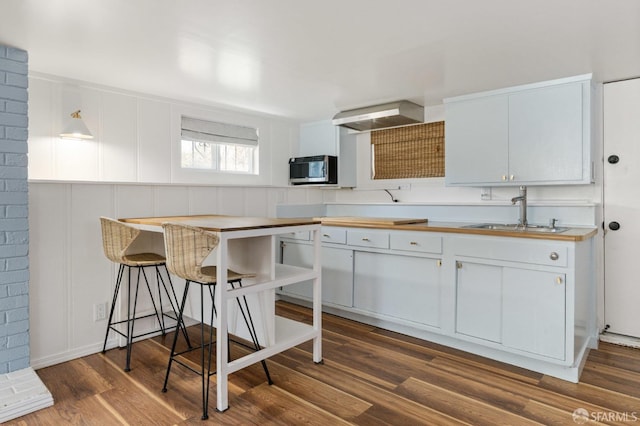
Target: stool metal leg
[
  {"x": 131, "y": 319},
  {"x": 113, "y": 305},
  {"x": 153, "y": 301},
  {"x": 175, "y": 336},
  {"x": 175, "y": 297}
]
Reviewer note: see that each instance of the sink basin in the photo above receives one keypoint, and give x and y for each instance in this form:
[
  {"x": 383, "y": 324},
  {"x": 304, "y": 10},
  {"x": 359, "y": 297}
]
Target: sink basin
[{"x": 517, "y": 228}]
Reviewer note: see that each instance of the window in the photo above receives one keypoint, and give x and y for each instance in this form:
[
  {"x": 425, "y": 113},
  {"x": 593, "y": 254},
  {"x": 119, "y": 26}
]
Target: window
[
  {"x": 408, "y": 152},
  {"x": 221, "y": 147}
]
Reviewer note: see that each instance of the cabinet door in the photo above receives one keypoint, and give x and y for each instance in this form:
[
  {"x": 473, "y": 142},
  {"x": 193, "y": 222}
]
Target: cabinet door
[
  {"x": 476, "y": 138},
  {"x": 533, "y": 307},
  {"x": 337, "y": 276},
  {"x": 318, "y": 138},
  {"x": 404, "y": 287},
  {"x": 337, "y": 273},
  {"x": 546, "y": 134},
  {"x": 478, "y": 301}
]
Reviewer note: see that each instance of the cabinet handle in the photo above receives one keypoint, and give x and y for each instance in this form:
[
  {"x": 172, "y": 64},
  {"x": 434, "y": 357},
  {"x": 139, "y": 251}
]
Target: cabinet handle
[
  {"x": 326, "y": 235},
  {"x": 511, "y": 177},
  {"x": 554, "y": 256},
  {"x": 458, "y": 264},
  {"x": 504, "y": 177},
  {"x": 365, "y": 239},
  {"x": 559, "y": 280},
  {"x": 413, "y": 243},
  {"x": 439, "y": 262}
]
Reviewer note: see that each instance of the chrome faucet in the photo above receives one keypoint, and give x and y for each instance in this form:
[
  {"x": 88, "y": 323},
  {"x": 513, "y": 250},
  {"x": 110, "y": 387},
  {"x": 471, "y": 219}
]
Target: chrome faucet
[{"x": 523, "y": 205}]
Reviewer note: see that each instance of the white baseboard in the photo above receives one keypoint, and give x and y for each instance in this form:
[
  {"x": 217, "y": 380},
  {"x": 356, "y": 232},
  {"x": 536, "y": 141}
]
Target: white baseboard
[{"x": 619, "y": 339}]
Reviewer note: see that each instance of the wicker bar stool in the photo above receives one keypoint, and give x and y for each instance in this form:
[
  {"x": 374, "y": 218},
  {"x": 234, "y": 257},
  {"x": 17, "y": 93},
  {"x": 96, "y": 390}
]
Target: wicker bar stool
[
  {"x": 187, "y": 247},
  {"x": 117, "y": 239}
]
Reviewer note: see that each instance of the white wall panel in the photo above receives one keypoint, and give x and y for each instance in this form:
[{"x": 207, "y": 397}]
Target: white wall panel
[
  {"x": 231, "y": 201},
  {"x": 203, "y": 200},
  {"x": 172, "y": 201},
  {"x": 297, "y": 195},
  {"x": 137, "y": 137},
  {"x": 49, "y": 288},
  {"x": 154, "y": 141},
  {"x": 91, "y": 272},
  {"x": 134, "y": 201},
  {"x": 119, "y": 138},
  {"x": 256, "y": 200}
]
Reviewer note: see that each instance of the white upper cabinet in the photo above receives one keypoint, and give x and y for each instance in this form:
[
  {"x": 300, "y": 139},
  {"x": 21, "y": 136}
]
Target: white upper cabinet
[
  {"x": 323, "y": 138},
  {"x": 538, "y": 134},
  {"x": 476, "y": 140}
]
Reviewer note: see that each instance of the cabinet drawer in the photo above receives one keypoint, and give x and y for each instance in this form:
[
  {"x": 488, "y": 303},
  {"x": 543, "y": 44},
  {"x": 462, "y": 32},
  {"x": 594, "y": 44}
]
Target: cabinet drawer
[
  {"x": 416, "y": 241},
  {"x": 300, "y": 235},
  {"x": 368, "y": 239},
  {"x": 534, "y": 252},
  {"x": 334, "y": 235}
]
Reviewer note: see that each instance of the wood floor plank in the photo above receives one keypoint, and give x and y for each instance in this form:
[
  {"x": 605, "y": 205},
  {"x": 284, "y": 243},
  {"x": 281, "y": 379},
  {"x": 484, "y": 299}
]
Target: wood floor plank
[
  {"x": 75, "y": 381},
  {"x": 459, "y": 406},
  {"x": 285, "y": 408},
  {"x": 362, "y": 386},
  {"x": 474, "y": 361},
  {"x": 600, "y": 396},
  {"x": 369, "y": 377},
  {"x": 324, "y": 396},
  {"x": 548, "y": 415},
  {"x": 616, "y": 379},
  {"x": 380, "y": 415},
  {"x": 507, "y": 386}
]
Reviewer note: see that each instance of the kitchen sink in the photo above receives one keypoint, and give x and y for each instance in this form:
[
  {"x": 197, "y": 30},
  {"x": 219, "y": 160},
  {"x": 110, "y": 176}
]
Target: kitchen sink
[{"x": 517, "y": 228}]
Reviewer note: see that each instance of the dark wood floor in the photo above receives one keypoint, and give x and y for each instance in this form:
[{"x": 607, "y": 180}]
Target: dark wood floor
[{"x": 369, "y": 377}]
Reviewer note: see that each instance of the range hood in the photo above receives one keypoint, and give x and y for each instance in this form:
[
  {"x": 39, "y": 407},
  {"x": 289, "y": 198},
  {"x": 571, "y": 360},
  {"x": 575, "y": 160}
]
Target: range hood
[{"x": 391, "y": 114}]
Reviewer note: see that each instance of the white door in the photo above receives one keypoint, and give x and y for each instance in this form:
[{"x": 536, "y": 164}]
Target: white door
[{"x": 622, "y": 207}]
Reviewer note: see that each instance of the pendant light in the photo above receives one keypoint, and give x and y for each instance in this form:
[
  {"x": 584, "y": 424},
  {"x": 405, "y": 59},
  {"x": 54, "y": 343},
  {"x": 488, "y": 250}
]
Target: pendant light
[{"x": 76, "y": 129}]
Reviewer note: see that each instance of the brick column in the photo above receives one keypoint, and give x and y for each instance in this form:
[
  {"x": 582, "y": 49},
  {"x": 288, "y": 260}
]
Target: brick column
[{"x": 14, "y": 225}]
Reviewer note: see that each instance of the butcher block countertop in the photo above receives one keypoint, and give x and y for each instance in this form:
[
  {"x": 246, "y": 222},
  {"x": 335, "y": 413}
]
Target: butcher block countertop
[
  {"x": 220, "y": 223},
  {"x": 421, "y": 224}
]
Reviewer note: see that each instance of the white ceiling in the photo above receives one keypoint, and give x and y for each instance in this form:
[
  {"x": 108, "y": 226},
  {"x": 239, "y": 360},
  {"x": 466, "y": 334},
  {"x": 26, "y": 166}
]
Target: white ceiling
[{"x": 310, "y": 59}]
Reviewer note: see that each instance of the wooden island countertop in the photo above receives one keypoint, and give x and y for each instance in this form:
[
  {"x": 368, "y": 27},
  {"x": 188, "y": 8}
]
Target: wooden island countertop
[{"x": 223, "y": 223}]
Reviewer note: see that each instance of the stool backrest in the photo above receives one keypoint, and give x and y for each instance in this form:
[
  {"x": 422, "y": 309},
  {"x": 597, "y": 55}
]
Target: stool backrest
[
  {"x": 116, "y": 238},
  {"x": 187, "y": 247}
]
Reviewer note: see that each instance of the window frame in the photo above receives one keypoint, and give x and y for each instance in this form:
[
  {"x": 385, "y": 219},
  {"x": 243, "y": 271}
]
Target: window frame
[{"x": 219, "y": 137}]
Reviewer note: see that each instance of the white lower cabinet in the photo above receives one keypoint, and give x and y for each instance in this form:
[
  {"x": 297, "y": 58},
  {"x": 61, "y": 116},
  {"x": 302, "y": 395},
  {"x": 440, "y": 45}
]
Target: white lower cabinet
[
  {"x": 513, "y": 293},
  {"x": 533, "y": 311},
  {"x": 478, "y": 300},
  {"x": 528, "y": 302},
  {"x": 399, "y": 286},
  {"x": 518, "y": 308}
]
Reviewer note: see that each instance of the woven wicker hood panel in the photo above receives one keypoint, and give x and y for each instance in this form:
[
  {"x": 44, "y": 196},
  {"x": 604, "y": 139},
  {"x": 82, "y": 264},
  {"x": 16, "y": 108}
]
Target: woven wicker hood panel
[{"x": 409, "y": 152}]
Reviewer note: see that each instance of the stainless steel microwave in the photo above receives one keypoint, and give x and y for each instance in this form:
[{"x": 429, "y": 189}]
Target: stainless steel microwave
[{"x": 317, "y": 169}]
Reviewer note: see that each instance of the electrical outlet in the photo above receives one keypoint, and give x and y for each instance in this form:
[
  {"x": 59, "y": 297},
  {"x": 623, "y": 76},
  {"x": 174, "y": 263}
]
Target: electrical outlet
[
  {"x": 100, "y": 311},
  {"x": 404, "y": 187},
  {"x": 485, "y": 193}
]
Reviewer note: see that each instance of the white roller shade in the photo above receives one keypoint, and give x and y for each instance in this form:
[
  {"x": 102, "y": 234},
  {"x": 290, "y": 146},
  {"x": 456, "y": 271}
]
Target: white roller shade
[{"x": 211, "y": 131}]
